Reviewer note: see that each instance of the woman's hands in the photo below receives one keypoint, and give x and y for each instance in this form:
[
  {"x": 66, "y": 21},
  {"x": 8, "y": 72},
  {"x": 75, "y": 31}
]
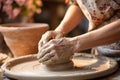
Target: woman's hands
[
  {"x": 56, "y": 51},
  {"x": 48, "y": 36}
]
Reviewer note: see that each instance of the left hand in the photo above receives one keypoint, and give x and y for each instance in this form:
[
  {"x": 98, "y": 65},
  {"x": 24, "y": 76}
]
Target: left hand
[{"x": 56, "y": 51}]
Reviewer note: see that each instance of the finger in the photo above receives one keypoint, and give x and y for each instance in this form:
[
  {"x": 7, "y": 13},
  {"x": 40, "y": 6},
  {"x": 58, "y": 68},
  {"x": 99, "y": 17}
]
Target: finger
[
  {"x": 44, "y": 50},
  {"x": 59, "y": 36},
  {"x": 48, "y": 36},
  {"x": 46, "y": 57},
  {"x": 50, "y": 61},
  {"x": 40, "y": 44},
  {"x": 45, "y": 38},
  {"x": 41, "y": 40}
]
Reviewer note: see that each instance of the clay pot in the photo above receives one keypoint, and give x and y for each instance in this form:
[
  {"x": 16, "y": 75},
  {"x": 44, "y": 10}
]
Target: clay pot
[{"x": 23, "y": 38}]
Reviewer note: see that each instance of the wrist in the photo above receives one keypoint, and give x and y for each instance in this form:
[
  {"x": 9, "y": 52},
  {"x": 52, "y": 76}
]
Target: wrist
[
  {"x": 62, "y": 28},
  {"x": 75, "y": 41},
  {"x": 59, "y": 32}
]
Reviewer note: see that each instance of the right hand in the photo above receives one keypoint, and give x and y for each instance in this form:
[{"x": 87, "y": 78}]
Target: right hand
[
  {"x": 56, "y": 51},
  {"x": 48, "y": 36}
]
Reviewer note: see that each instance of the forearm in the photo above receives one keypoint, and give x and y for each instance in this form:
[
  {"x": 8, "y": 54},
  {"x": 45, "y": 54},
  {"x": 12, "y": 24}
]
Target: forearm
[
  {"x": 106, "y": 35},
  {"x": 71, "y": 19}
]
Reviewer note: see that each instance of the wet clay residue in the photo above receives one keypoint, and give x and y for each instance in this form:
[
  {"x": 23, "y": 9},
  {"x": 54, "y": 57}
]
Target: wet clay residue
[
  {"x": 102, "y": 66},
  {"x": 86, "y": 65},
  {"x": 27, "y": 67},
  {"x": 84, "y": 62},
  {"x": 91, "y": 62}
]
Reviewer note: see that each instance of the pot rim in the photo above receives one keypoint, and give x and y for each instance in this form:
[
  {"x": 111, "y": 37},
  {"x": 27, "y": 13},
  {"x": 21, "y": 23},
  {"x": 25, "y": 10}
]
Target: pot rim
[{"x": 25, "y": 26}]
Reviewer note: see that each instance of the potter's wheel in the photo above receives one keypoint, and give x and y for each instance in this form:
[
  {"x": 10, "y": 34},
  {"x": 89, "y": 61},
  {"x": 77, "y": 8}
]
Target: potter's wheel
[{"x": 28, "y": 68}]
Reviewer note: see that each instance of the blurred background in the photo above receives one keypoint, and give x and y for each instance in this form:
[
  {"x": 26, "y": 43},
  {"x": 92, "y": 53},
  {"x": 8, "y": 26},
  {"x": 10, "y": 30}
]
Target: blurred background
[
  {"x": 37, "y": 11},
  {"x": 47, "y": 11}
]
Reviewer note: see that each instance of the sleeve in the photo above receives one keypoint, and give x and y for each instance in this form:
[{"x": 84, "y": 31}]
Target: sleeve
[
  {"x": 115, "y": 4},
  {"x": 117, "y": 1}
]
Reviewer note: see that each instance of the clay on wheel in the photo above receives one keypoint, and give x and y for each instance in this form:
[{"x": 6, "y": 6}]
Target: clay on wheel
[{"x": 63, "y": 66}]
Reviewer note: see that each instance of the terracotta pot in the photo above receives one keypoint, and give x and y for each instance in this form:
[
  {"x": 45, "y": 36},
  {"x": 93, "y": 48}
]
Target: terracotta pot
[{"x": 23, "y": 38}]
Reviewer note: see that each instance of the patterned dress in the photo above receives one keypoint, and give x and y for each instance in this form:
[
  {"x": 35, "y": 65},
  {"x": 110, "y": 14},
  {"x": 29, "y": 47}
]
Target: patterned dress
[{"x": 100, "y": 13}]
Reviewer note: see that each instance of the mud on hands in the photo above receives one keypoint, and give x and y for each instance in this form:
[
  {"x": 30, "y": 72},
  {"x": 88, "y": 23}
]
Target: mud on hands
[{"x": 56, "y": 51}]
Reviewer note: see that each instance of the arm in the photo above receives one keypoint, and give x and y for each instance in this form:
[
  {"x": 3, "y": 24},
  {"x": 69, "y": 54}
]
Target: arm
[
  {"x": 72, "y": 17},
  {"x": 106, "y": 35},
  {"x": 59, "y": 51}
]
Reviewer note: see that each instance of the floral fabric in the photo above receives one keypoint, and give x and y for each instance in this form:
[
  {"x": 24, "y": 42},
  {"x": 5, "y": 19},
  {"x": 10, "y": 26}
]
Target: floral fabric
[{"x": 99, "y": 12}]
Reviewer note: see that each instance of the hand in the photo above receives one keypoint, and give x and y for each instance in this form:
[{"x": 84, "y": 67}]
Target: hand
[
  {"x": 56, "y": 51},
  {"x": 48, "y": 36}
]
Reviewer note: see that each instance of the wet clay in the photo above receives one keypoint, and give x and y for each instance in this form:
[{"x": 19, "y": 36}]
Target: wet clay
[
  {"x": 88, "y": 66},
  {"x": 59, "y": 67},
  {"x": 82, "y": 63},
  {"x": 91, "y": 62},
  {"x": 25, "y": 68}
]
